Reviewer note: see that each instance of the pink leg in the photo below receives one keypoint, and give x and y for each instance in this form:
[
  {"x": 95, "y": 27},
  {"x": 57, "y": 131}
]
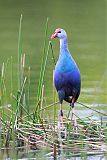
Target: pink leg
[{"x": 73, "y": 111}]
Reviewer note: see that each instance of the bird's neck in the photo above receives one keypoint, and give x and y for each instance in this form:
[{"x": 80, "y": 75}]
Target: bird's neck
[{"x": 63, "y": 44}]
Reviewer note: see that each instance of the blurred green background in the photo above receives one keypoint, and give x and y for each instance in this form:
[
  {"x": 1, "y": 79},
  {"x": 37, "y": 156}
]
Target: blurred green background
[{"x": 85, "y": 24}]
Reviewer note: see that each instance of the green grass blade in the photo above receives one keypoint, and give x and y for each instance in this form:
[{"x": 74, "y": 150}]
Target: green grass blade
[
  {"x": 19, "y": 51},
  {"x": 19, "y": 96},
  {"x": 42, "y": 77},
  {"x": 42, "y": 65},
  {"x": 28, "y": 93}
]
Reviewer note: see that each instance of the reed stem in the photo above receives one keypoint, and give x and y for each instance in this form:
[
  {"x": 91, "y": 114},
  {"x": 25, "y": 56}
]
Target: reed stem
[
  {"x": 43, "y": 62},
  {"x": 19, "y": 52}
]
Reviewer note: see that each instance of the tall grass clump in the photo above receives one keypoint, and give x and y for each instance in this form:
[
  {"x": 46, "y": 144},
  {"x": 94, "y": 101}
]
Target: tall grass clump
[{"x": 42, "y": 73}]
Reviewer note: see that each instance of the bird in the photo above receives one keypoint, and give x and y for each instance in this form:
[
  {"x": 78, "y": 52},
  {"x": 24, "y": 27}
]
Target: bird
[{"x": 67, "y": 78}]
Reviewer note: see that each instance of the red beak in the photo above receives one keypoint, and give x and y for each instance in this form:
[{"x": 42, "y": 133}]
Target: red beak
[{"x": 54, "y": 35}]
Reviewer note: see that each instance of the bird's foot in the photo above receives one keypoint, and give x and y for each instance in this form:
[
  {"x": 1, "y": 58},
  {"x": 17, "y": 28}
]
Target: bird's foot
[{"x": 75, "y": 125}]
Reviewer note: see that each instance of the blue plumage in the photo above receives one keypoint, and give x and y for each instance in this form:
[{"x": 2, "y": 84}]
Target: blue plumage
[{"x": 67, "y": 75}]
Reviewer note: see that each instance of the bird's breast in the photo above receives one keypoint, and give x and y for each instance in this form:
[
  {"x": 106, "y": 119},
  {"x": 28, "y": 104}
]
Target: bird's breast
[
  {"x": 67, "y": 74},
  {"x": 66, "y": 64}
]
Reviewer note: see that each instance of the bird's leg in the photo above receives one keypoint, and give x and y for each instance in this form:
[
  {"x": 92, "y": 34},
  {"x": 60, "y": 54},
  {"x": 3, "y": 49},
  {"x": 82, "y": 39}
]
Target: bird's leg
[
  {"x": 61, "y": 94},
  {"x": 61, "y": 116},
  {"x": 73, "y": 111}
]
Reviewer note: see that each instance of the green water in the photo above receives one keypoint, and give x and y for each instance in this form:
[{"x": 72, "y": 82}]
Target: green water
[{"x": 85, "y": 24}]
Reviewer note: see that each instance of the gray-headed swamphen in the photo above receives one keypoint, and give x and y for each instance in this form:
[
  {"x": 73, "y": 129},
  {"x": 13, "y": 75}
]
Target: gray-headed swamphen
[{"x": 67, "y": 78}]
